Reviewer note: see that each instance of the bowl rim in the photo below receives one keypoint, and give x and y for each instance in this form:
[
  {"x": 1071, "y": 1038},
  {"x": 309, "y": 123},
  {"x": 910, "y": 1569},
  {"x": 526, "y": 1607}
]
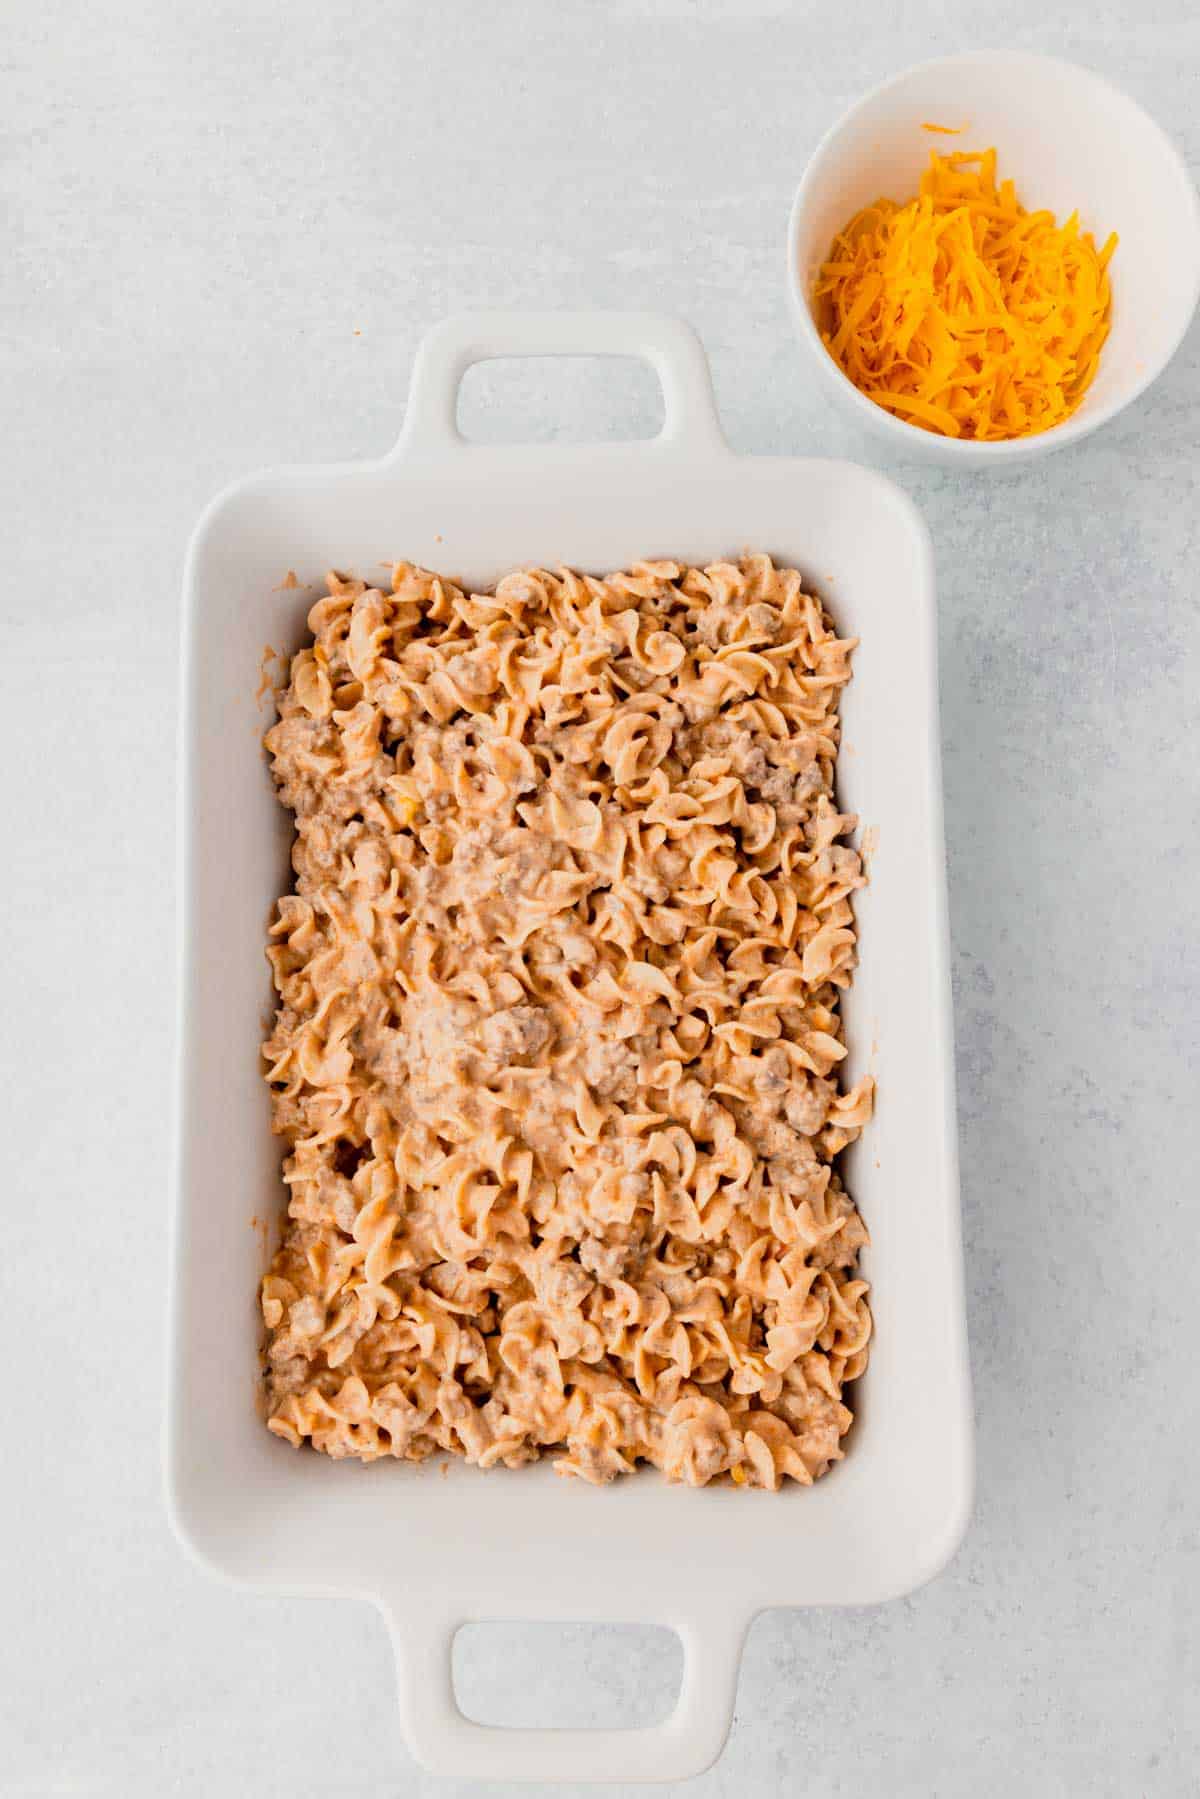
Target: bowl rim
[{"x": 877, "y": 418}]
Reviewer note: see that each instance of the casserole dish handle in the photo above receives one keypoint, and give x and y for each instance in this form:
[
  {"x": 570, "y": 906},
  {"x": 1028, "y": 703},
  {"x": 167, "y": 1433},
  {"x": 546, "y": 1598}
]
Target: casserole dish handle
[
  {"x": 447, "y": 1742},
  {"x": 670, "y": 346}
]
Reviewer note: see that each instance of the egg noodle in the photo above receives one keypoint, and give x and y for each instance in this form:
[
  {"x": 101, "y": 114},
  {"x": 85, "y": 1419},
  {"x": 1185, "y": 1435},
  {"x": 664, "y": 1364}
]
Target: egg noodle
[{"x": 557, "y": 1048}]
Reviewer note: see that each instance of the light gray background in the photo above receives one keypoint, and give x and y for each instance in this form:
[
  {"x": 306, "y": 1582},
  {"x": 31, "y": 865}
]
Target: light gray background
[{"x": 228, "y": 226}]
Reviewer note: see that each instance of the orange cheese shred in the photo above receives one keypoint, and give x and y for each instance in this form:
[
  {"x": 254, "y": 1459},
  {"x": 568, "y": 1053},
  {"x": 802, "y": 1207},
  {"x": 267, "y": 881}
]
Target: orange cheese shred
[{"x": 962, "y": 313}]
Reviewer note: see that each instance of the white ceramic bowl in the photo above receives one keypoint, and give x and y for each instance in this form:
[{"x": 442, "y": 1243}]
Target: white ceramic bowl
[{"x": 1070, "y": 141}]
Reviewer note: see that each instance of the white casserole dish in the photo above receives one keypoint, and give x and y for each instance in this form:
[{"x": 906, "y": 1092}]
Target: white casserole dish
[{"x": 433, "y": 1553}]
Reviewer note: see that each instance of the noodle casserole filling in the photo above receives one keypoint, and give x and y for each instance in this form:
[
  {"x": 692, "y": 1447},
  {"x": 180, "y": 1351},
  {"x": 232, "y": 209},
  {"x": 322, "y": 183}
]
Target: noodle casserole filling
[{"x": 556, "y": 1056}]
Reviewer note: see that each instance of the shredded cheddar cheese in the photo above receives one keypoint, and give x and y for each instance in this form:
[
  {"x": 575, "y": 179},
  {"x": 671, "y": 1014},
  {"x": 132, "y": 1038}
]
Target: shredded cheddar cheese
[{"x": 963, "y": 313}]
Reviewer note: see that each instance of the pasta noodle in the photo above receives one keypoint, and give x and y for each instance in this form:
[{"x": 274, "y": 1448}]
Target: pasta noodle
[{"x": 556, "y": 1054}]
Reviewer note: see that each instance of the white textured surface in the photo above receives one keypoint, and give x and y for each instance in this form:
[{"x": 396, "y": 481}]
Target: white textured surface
[{"x": 205, "y": 204}]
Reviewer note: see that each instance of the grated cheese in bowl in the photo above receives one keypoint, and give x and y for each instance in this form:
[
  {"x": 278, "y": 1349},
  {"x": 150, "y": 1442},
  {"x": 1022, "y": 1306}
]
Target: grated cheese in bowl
[{"x": 961, "y": 312}]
